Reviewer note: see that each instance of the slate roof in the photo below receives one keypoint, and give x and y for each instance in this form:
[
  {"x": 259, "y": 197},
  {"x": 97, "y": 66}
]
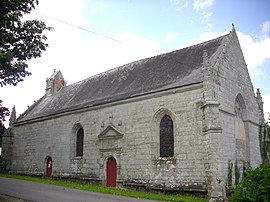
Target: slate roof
[{"x": 171, "y": 70}]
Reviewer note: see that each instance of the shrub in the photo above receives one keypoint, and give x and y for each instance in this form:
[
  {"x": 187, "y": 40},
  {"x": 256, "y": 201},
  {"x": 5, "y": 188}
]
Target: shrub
[{"x": 255, "y": 187}]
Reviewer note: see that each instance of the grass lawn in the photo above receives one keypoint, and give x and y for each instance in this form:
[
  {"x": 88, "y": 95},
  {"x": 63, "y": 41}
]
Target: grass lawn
[{"x": 108, "y": 190}]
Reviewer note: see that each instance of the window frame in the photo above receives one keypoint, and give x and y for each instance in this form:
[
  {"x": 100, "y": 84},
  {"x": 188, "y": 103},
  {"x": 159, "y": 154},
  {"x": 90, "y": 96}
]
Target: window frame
[
  {"x": 79, "y": 142},
  {"x": 166, "y": 149}
]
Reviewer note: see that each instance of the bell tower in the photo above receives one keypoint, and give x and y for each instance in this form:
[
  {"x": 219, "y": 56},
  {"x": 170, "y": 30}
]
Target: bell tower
[{"x": 54, "y": 83}]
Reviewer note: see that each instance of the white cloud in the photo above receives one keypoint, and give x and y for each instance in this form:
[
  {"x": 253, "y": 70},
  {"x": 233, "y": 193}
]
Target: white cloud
[
  {"x": 170, "y": 37},
  {"x": 202, "y": 7},
  {"x": 256, "y": 52},
  {"x": 266, "y": 106},
  {"x": 100, "y": 6},
  {"x": 179, "y": 4},
  {"x": 199, "y": 5},
  {"x": 265, "y": 29},
  {"x": 67, "y": 13},
  {"x": 76, "y": 53},
  {"x": 209, "y": 26},
  {"x": 204, "y": 37},
  {"x": 207, "y": 15}
]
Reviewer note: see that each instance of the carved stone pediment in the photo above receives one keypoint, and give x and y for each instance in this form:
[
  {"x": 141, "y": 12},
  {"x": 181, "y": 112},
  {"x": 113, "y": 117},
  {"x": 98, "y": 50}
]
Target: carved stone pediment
[{"x": 110, "y": 133}]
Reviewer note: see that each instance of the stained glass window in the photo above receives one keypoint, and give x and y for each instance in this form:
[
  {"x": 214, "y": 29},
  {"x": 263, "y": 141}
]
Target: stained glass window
[
  {"x": 166, "y": 137},
  {"x": 79, "y": 142}
]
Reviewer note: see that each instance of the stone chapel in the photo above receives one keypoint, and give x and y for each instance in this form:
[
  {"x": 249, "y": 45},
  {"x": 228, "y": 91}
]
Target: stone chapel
[{"x": 185, "y": 120}]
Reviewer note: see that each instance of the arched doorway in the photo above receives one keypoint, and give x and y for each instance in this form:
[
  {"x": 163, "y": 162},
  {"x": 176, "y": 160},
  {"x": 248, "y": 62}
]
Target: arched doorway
[
  {"x": 111, "y": 172},
  {"x": 49, "y": 167}
]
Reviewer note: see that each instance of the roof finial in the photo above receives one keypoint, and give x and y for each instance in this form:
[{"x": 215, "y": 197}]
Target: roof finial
[
  {"x": 260, "y": 105},
  {"x": 233, "y": 27},
  {"x": 12, "y": 118}
]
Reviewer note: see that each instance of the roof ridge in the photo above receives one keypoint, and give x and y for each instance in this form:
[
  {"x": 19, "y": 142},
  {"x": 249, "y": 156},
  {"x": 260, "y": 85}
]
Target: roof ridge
[
  {"x": 144, "y": 59},
  {"x": 148, "y": 75}
]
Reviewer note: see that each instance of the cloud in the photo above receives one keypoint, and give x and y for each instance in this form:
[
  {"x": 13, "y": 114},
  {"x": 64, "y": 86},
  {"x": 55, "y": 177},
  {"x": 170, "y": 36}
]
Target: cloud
[
  {"x": 265, "y": 29},
  {"x": 199, "y": 5},
  {"x": 71, "y": 7},
  {"x": 100, "y": 6},
  {"x": 256, "y": 52},
  {"x": 209, "y": 26},
  {"x": 266, "y": 106},
  {"x": 204, "y": 37},
  {"x": 76, "y": 53},
  {"x": 107, "y": 54},
  {"x": 179, "y": 4},
  {"x": 170, "y": 37},
  {"x": 207, "y": 15}
]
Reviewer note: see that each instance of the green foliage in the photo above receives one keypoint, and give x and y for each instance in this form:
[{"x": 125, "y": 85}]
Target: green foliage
[
  {"x": 230, "y": 173},
  {"x": 265, "y": 142},
  {"x": 255, "y": 187},
  {"x": 2, "y": 131},
  {"x": 3, "y": 113},
  {"x": 19, "y": 41},
  {"x": 236, "y": 173},
  {"x": 246, "y": 168}
]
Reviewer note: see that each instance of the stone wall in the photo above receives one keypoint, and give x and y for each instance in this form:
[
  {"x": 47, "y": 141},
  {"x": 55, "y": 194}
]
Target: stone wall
[
  {"x": 207, "y": 151},
  {"x": 234, "y": 82},
  {"x": 128, "y": 131}
]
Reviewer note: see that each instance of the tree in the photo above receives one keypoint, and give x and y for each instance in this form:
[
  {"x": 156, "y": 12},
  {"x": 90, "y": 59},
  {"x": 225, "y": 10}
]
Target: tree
[
  {"x": 2, "y": 131},
  {"x": 3, "y": 113},
  {"x": 19, "y": 42}
]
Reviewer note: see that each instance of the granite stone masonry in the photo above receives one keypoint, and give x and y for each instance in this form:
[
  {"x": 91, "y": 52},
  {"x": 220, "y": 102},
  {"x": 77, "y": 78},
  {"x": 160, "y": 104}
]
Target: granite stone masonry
[{"x": 108, "y": 128}]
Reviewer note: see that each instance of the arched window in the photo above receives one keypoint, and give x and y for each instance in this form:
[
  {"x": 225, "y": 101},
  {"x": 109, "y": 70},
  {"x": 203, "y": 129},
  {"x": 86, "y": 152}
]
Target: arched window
[
  {"x": 166, "y": 137},
  {"x": 79, "y": 142}
]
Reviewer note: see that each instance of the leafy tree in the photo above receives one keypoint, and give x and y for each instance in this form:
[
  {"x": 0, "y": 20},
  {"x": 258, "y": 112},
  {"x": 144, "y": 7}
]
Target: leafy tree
[
  {"x": 2, "y": 131},
  {"x": 3, "y": 113},
  {"x": 19, "y": 42}
]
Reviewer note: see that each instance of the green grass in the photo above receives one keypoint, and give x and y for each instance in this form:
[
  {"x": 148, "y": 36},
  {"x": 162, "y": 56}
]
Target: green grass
[{"x": 108, "y": 190}]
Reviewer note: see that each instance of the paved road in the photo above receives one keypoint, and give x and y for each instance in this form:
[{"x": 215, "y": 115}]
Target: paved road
[
  {"x": 32, "y": 191},
  {"x": 5, "y": 198}
]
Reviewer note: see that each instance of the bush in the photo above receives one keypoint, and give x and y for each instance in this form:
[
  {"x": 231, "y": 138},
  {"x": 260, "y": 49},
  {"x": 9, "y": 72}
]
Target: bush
[{"x": 255, "y": 187}]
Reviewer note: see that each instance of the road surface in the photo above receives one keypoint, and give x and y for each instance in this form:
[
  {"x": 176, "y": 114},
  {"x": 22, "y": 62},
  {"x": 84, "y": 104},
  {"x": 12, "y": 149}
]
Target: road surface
[{"x": 32, "y": 191}]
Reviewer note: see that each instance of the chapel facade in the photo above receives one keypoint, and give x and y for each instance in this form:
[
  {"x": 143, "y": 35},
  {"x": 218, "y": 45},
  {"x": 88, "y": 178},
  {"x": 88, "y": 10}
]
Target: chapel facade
[{"x": 184, "y": 120}]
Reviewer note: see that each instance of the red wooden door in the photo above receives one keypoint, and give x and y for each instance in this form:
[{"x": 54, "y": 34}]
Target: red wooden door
[
  {"x": 111, "y": 172},
  {"x": 49, "y": 167}
]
